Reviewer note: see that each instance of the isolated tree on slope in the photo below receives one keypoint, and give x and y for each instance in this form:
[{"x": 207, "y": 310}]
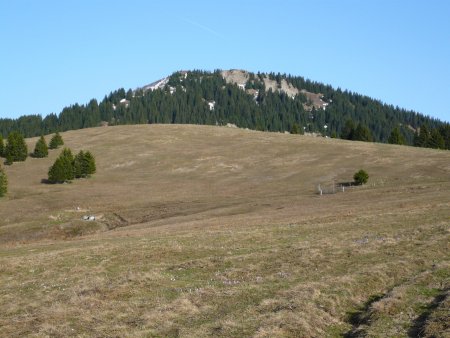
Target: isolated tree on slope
[
  {"x": 3, "y": 183},
  {"x": 361, "y": 177},
  {"x": 56, "y": 141},
  {"x": 16, "y": 148},
  {"x": 40, "y": 150}
]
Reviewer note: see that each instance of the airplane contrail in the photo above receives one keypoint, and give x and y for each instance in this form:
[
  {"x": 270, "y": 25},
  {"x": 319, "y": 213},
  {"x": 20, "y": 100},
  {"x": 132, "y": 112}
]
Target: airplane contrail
[{"x": 203, "y": 27}]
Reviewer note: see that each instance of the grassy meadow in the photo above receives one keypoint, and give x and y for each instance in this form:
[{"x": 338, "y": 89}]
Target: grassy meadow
[{"x": 205, "y": 231}]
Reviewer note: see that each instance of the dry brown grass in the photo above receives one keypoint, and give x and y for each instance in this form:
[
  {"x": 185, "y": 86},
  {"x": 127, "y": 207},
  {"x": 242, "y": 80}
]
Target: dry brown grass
[{"x": 208, "y": 231}]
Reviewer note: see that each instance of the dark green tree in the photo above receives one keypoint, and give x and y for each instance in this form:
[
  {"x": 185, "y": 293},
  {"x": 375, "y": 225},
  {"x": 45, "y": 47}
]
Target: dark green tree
[
  {"x": 361, "y": 177},
  {"x": 84, "y": 164},
  {"x": 16, "y": 148},
  {"x": 3, "y": 183},
  {"x": 40, "y": 150},
  {"x": 9, "y": 159},
  {"x": 396, "y": 137},
  {"x": 348, "y": 130},
  {"x": 56, "y": 141},
  {"x": 63, "y": 168},
  {"x": 445, "y": 133},
  {"x": 57, "y": 172},
  {"x": 89, "y": 167},
  {"x": 362, "y": 133},
  {"x": 436, "y": 140},
  {"x": 422, "y": 137},
  {"x": 2, "y": 146},
  {"x": 78, "y": 165},
  {"x": 295, "y": 129},
  {"x": 67, "y": 159}
]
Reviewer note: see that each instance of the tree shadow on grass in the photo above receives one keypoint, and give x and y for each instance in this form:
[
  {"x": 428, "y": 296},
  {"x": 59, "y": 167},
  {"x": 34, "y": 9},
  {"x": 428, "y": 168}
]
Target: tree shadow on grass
[
  {"x": 347, "y": 184},
  {"x": 361, "y": 316},
  {"x": 418, "y": 326},
  {"x": 47, "y": 181}
]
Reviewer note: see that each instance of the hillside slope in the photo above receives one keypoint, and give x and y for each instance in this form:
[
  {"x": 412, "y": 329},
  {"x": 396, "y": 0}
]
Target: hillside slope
[
  {"x": 269, "y": 102},
  {"x": 215, "y": 231}
]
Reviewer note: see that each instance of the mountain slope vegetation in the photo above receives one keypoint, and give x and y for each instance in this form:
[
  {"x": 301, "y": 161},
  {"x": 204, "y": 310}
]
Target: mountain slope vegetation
[{"x": 270, "y": 102}]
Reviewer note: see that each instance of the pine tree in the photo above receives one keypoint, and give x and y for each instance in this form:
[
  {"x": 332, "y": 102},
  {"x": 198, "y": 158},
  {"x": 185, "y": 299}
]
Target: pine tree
[
  {"x": 40, "y": 150},
  {"x": 88, "y": 167},
  {"x": 78, "y": 165},
  {"x": 56, "y": 141},
  {"x": 416, "y": 140},
  {"x": 348, "y": 130},
  {"x": 63, "y": 168},
  {"x": 16, "y": 148},
  {"x": 56, "y": 173},
  {"x": 436, "y": 140},
  {"x": 2, "y": 146},
  {"x": 67, "y": 159},
  {"x": 396, "y": 137},
  {"x": 423, "y": 137},
  {"x": 3, "y": 183},
  {"x": 295, "y": 129},
  {"x": 362, "y": 133}
]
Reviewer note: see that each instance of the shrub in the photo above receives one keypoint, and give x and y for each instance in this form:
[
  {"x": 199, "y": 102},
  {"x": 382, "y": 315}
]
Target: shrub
[{"x": 361, "y": 177}]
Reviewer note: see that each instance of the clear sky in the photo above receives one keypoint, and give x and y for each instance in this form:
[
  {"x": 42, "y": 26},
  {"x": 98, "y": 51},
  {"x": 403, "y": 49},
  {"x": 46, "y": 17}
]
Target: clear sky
[{"x": 57, "y": 53}]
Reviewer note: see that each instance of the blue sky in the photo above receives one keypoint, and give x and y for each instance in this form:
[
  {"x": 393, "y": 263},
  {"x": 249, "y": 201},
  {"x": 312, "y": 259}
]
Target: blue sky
[{"x": 56, "y": 53}]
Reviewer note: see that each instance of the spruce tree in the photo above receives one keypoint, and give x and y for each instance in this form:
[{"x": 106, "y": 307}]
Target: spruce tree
[
  {"x": 423, "y": 137},
  {"x": 348, "y": 130},
  {"x": 396, "y": 137},
  {"x": 62, "y": 170},
  {"x": 2, "y": 146},
  {"x": 40, "y": 150},
  {"x": 436, "y": 140},
  {"x": 16, "y": 148},
  {"x": 88, "y": 167},
  {"x": 56, "y": 173},
  {"x": 56, "y": 141},
  {"x": 295, "y": 129},
  {"x": 67, "y": 159},
  {"x": 362, "y": 133},
  {"x": 3, "y": 183},
  {"x": 78, "y": 165}
]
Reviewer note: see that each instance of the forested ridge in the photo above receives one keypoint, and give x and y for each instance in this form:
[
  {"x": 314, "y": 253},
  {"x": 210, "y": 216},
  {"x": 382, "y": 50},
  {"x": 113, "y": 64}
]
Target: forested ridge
[{"x": 199, "y": 97}]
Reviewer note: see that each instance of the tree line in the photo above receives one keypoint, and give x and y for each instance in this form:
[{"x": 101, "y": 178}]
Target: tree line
[{"x": 185, "y": 99}]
